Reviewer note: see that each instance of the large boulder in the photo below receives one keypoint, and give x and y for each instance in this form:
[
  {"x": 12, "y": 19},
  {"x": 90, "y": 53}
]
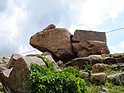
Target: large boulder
[
  {"x": 89, "y": 43},
  {"x": 15, "y": 77},
  {"x": 55, "y": 40}
]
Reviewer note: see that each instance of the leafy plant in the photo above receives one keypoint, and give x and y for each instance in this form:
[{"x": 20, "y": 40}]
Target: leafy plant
[
  {"x": 88, "y": 68},
  {"x": 72, "y": 70},
  {"x": 50, "y": 80},
  {"x": 48, "y": 63}
]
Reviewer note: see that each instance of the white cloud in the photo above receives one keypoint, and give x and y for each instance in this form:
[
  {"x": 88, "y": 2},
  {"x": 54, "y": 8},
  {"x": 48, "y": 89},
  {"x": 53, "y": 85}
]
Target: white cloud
[
  {"x": 11, "y": 35},
  {"x": 20, "y": 19},
  {"x": 95, "y": 12}
]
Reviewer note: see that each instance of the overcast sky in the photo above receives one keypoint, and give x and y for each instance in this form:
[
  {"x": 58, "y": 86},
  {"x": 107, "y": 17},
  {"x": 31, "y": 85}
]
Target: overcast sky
[{"x": 19, "y": 19}]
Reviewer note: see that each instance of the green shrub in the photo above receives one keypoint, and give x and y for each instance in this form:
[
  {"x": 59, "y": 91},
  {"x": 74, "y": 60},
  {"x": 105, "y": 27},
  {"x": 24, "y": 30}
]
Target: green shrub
[
  {"x": 72, "y": 70},
  {"x": 88, "y": 68},
  {"x": 50, "y": 80}
]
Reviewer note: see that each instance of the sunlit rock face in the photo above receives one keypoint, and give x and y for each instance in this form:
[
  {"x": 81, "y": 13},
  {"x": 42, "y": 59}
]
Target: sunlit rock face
[{"x": 87, "y": 43}]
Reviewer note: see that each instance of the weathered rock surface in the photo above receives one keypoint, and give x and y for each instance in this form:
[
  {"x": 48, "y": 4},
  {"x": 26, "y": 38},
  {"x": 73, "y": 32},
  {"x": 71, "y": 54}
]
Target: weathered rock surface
[
  {"x": 119, "y": 66},
  {"x": 117, "y": 79},
  {"x": 85, "y": 76},
  {"x": 2, "y": 67},
  {"x": 47, "y": 53},
  {"x": 81, "y": 62},
  {"x": 89, "y": 42},
  {"x": 93, "y": 59},
  {"x": 110, "y": 60},
  {"x": 121, "y": 59},
  {"x": 13, "y": 60},
  {"x": 98, "y": 78},
  {"x": 56, "y": 40},
  {"x": 4, "y": 60},
  {"x": 52, "y": 60},
  {"x": 60, "y": 63},
  {"x": 99, "y": 67},
  {"x": 64, "y": 46},
  {"x": 15, "y": 77}
]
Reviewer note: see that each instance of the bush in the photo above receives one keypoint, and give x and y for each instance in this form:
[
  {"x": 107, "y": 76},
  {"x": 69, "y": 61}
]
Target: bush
[{"x": 50, "y": 80}]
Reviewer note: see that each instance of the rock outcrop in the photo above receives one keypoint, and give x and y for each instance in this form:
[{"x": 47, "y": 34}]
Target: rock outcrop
[
  {"x": 117, "y": 79},
  {"x": 87, "y": 43},
  {"x": 15, "y": 77},
  {"x": 85, "y": 50},
  {"x": 63, "y": 45},
  {"x": 81, "y": 62},
  {"x": 55, "y": 40}
]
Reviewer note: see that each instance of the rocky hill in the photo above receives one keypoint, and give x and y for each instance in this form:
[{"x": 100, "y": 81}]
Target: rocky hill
[{"x": 85, "y": 50}]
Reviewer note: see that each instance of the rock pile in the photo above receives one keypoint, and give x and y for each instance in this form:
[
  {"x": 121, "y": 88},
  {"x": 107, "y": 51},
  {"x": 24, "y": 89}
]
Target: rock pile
[
  {"x": 14, "y": 76},
  {"x": 63, "y": 45}
]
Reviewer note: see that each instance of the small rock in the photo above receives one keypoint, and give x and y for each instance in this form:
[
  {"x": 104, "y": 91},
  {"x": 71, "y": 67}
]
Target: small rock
[
  {"x": 51, "y": 26},
  {"x": 60, "y": 63},
  {"x": 103, "y": 90},
  {"x": 47, "y": 53},
  {"x": 4, "y": 60},
  {"x": 98, "y": 78},
  {"x": 85, "y": 76},
  {"x": 99, "y": 67},
  {"x": 97, "y": 57}
]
